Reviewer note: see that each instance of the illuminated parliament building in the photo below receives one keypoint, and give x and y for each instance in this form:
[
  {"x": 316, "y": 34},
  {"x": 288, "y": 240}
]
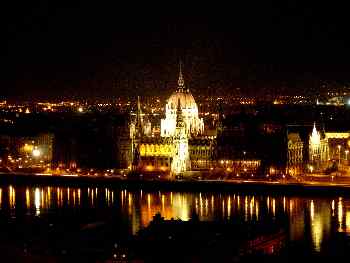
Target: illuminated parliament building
[{"x": 170, "y": 151}]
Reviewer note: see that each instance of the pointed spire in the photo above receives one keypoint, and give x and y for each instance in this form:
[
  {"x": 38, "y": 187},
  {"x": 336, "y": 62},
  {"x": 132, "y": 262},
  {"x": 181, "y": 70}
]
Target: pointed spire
[
  {"x": 138, "y": 104},
  {"x": 314, "y": 130},
  {"x": 181, "y": 82},
  {"x": 221, "y": 117},
  {"x": 139, "y": 115},
  {"x": 315, "y": 136}
]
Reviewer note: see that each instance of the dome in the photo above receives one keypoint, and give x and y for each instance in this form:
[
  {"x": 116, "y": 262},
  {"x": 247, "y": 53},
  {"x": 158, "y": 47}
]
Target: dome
[
  {"x": 186, "y": 100},
  {"x": 189, "y": 111}
]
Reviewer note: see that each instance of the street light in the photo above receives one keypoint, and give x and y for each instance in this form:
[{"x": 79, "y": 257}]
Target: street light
[
  {"x": 311, "y": 168},
  {"x": 36, "y": 152},
  {"x": 272, "y": 170},
  {"x": 339, "y": 147},
  {"x": 346, "y": 154}
]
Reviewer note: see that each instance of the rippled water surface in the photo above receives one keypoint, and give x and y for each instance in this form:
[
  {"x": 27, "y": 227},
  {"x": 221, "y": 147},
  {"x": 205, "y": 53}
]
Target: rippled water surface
[{"x": 313, "y": 221}]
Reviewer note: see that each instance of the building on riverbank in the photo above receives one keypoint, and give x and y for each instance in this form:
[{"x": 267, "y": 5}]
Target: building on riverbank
[
  {"x": 92, "y": 140},
  {"x": 295, "y": 159},
  {"x": 169, "y": 152},
  {"x": 318, "y": 149},
  {"x": 27, "y": 150}
]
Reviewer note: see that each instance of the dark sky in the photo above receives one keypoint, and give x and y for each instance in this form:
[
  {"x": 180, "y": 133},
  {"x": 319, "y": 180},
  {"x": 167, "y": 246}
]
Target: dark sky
[{"x": 60, "y": 49}]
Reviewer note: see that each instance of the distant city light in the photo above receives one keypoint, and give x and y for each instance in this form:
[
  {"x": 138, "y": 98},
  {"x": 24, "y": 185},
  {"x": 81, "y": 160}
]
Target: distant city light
[
  {"x": 80, "y": 109},
  {"x": 36, "y": 152}
]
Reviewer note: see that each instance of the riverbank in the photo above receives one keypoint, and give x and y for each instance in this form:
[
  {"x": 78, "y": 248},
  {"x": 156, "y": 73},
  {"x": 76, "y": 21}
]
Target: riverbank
[{"x": 248, "y": 186}]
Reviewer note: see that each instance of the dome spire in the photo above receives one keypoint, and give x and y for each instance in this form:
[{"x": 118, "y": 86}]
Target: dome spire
[{"x": 181, "y": 82}]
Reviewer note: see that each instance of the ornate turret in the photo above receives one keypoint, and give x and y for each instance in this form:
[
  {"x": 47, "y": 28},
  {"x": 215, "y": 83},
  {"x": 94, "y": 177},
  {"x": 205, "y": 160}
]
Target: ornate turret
[
  {"x": 181, "y": 82},
  {"x": 318, "y": 149},
  {"x": 139, "y": 121},
  {"x": 315, "y": 136},
  {"x": 137, "y": 134}
]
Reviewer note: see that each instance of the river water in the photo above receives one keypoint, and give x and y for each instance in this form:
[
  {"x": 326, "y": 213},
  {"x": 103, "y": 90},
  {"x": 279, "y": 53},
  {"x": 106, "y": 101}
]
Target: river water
[{"x": 314, "y": 222}]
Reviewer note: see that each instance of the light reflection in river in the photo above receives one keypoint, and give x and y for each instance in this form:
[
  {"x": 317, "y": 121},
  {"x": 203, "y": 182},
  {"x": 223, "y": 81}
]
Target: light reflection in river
[
  {"x": 12, "y": 196},
  {"x": 315, "y": 217},
  {"x": 27, "y": 199},
  {"x": 340, "y": 213},
  {"x": 37, "y": 201}
]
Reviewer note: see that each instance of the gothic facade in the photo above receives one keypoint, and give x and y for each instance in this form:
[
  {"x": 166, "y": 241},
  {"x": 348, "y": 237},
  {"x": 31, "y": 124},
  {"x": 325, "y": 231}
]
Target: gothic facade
[
  {"x": 318, "y": 148},
  {"x": 169, "y": 152}
]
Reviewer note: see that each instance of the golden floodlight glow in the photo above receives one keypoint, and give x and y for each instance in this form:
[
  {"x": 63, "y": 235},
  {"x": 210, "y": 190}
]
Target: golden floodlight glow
[
  {"x": 36, "y": 152},
  {"x": 315, "y": 137},
  {"x": 311, "y": 168},
  {"x": 28, "y": 148},
  {"x": 149, "y": 167}
]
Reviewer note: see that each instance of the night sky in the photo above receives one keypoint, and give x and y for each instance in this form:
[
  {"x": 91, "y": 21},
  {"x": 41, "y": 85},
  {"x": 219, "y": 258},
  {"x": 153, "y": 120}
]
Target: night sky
[{"x": 58, "y": 49}]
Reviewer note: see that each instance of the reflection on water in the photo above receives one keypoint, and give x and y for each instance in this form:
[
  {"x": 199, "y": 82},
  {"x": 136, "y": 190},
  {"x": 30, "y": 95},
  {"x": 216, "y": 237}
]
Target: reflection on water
[
  {"x": 310, "y": 220},
  {"x": 37, "y": 201},
  {"x": 12, "y": 196}
]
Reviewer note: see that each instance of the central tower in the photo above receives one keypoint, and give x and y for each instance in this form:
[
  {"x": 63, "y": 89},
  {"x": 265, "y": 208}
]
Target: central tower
[{"x": 181, "y": 160}]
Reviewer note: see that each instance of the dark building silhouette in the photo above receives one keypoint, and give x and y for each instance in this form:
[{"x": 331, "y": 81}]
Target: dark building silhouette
[{"x": 90, "y": 141}]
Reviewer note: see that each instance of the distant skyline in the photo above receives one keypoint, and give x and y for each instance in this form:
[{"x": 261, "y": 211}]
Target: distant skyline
[{"x": 102, "y": 50}]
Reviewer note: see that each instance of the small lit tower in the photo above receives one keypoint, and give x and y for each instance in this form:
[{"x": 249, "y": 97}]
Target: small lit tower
[
  {"x": 136, "y": 136},
  {"x": 181, "y": 160},
  {"x": 139, "y": 120},
  {"x": 221, "y": 116},
  {"x": 314, "y": 145},
  {"x": 318, "y": 148}
]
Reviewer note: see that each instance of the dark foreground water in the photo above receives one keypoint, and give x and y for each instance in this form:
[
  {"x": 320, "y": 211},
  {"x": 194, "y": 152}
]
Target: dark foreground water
[{"x": 37, "y": 218}]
